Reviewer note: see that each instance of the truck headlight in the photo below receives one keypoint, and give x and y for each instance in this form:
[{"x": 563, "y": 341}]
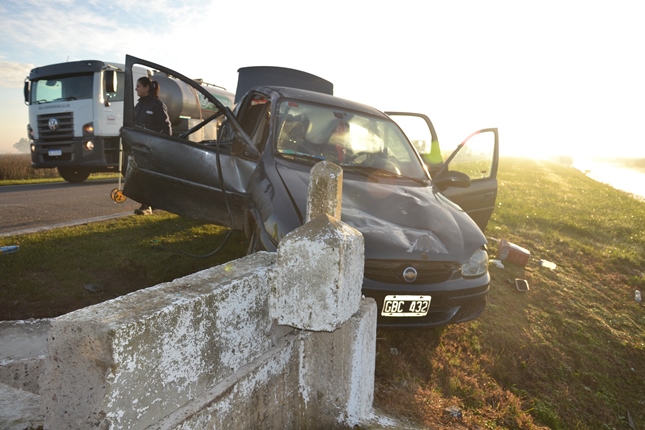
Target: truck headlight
[
  {"x": 88, "y": 145},
  {"x": 477, "y": 265},
  {"x": 88, "y": 129}
]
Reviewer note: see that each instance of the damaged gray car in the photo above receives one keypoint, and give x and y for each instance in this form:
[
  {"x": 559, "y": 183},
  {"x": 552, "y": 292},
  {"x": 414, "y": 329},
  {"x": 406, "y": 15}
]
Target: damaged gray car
[{"x": 422, "y": 218}]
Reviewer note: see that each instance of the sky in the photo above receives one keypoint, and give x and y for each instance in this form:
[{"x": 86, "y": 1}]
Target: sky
[{"x": 555, "y": 77}]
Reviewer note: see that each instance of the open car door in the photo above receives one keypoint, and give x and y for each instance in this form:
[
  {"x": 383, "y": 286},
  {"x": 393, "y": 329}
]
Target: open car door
[
  {"x": 195, "y": 172},
  {"x": 468, "y": 176}
]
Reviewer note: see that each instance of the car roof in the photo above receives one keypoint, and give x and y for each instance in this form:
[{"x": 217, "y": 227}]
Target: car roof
[{"x": 316, "y": 97}]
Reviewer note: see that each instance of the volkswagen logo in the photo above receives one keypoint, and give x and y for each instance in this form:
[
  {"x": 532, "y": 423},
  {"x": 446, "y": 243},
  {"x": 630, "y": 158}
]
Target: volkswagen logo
[
  {"x": 53, "y": 124},
  {"x": 410, "y": 274}
]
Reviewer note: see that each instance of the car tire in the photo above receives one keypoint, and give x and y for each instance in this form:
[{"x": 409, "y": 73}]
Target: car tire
[{"x": 73, "y": 174}]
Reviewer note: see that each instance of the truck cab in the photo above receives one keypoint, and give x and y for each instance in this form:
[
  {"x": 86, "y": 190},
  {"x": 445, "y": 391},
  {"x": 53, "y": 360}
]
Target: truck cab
[{"x": 76, "y": 113}]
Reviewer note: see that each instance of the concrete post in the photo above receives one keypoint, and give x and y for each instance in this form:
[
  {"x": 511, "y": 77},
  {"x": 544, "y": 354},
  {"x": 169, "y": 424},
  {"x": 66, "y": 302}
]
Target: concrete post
[
  {"x": 325, "y": 190},
  {"x": 319, "y": 276},
  {"x": 320, "y": 264}
]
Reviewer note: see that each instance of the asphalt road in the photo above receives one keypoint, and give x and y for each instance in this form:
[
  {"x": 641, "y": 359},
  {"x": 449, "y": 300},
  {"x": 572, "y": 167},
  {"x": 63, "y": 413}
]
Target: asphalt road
[{"x": 31, "y": 208}]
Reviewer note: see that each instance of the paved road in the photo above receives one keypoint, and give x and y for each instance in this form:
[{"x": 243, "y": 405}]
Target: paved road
[{"x": 29, "y": 208}]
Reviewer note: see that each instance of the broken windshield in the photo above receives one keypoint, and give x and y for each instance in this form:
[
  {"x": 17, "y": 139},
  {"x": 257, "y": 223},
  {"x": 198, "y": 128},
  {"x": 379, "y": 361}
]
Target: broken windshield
[{"x": 315, "y": 132}]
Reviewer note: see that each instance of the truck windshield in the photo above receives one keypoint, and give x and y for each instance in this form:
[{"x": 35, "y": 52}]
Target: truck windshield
[{"x": 76, "y": 87}]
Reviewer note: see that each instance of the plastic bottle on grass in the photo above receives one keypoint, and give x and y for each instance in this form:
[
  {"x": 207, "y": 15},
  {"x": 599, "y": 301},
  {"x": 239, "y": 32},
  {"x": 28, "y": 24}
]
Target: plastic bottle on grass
[
  {"x": 637, "y": 296},
  {"x": 547, "y": 264}
]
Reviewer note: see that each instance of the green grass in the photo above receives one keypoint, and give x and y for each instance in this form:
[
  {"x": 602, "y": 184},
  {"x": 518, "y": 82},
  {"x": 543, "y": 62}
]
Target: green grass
[
  {"x": 567, "y": 354},
  {"x": 52, "y": 271}
]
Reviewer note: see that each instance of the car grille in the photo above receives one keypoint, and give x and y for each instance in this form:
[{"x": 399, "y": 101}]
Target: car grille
[
  {"x": 428, "y": 272},
  {"x": 65, "y": 130}
]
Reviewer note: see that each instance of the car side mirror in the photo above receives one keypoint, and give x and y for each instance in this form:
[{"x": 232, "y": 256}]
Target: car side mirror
[
  {"x": 449, "y": 178},
  {"x": 225, "y": 132}
]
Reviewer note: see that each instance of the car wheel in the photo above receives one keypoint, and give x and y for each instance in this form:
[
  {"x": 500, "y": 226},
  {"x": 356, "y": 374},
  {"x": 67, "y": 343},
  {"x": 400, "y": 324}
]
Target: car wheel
[{"x": 73, "y": 174}]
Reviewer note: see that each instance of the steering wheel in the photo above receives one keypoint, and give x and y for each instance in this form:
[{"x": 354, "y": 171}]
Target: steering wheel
[
  {"x": 377, "y": 160},
  {"x": 359, "y": 154}
]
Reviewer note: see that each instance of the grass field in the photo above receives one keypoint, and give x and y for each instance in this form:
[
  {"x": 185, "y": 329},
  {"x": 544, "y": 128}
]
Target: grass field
[
  {"x": 16, "y": 169},
  {"x": 567, "y": 354}
]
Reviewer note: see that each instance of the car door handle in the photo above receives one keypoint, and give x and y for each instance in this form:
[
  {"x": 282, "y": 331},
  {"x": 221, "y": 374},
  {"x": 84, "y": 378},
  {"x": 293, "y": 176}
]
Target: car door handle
[{"x": 142, "y": 150}]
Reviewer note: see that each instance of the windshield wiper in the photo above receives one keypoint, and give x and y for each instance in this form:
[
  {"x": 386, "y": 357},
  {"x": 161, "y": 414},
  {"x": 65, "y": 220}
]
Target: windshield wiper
[
  {"x": 66, "y": 98},
  {"x": 301, "y": 155},
  {"x": 373, "y": 172},
  {"x": 382, "y": 172}
]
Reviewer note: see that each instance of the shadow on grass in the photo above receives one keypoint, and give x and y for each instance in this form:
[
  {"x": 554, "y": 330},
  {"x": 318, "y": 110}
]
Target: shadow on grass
[{"x": 58, "y": 271}]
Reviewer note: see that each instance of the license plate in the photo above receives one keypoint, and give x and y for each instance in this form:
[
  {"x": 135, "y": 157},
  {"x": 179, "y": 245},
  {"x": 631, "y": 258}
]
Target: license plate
[
  {"x": 55, "y": 152},
  {"x": 405, "y": 306}
]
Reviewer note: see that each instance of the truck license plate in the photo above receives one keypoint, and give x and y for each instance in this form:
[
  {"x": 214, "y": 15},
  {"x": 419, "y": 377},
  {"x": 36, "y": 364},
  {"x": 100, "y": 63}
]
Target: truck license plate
[
  {"x": 405, "y": 306},
  {"x": 55, "y": 152}
]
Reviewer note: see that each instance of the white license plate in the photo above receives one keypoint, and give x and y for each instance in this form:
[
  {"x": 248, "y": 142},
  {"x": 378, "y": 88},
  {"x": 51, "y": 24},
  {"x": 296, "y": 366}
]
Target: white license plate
[
  {"x": 55, "y": 152},
  {"x": 405, "y": 306}
]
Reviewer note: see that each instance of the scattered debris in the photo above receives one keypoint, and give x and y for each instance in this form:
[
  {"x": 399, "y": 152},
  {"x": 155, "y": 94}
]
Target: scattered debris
[
  {"x": 454, "y": 412},
  {"x": 513, "y": 253},
  {"x": 632, "y": 425},
  {"x": 521, "y": 284},
  {"x": 95, "y": 288},
  {"x": 394, "y": 351},
  {"x": 548, "y": 264},
  {"x": 497, "y": 263},
  {"x": 637, "y": 296},
  {"x": 9, "y": 249}
]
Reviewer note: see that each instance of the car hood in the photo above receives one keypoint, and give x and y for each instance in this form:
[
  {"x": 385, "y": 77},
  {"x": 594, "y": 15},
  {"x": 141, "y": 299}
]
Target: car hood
[{"x": 399, "y": 219}]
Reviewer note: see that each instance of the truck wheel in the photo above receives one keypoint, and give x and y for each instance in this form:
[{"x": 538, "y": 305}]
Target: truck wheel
[{"x": 73, "y": 174}]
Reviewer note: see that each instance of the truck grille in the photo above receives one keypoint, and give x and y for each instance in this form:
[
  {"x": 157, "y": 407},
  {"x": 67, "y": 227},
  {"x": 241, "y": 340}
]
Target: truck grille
[
  {"x": 391, "y": 271},
  {"x": 56, "y": 126}
]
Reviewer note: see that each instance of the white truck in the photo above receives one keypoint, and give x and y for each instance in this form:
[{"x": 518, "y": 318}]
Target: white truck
[{"x": 76, "y": 113}]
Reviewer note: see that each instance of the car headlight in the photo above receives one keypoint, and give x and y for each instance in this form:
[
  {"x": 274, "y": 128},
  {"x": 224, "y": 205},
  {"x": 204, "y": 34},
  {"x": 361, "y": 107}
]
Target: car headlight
[{"x": 477, "y": 265}]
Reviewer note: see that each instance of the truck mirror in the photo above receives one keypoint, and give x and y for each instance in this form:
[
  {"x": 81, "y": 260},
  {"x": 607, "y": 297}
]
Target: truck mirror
[
  {"x": 26, "y": 91},
  {"x": 109, "y": 77}
]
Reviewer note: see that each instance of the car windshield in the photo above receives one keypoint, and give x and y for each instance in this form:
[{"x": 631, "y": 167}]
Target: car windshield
[{"x": 349, "y": 139}]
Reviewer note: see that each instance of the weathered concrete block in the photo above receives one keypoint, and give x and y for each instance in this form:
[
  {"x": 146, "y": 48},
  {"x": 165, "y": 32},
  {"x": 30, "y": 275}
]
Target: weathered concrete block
[
  {"x": 129, "y": 362},
  {"x": 307, "y": 380},
  {"x": 325, "y": 190},
  {"x": 337, "y": 369},
  {"x": 19, "y": 410},
  {"x": 319, "y": 275},
  {"x": 23, "y": 346}
]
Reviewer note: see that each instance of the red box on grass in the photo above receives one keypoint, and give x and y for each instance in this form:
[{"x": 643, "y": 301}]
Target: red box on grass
[{"x": 515, "y": 254}]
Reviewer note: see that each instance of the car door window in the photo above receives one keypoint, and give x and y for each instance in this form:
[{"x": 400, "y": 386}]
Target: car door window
[
  {"x": 476, "y": 157},
  {"x": 420, "y": 131}
]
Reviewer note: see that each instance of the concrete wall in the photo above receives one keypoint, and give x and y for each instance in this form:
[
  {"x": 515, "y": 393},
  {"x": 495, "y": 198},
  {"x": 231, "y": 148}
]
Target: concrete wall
[{"x": 273, "y": 340}]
